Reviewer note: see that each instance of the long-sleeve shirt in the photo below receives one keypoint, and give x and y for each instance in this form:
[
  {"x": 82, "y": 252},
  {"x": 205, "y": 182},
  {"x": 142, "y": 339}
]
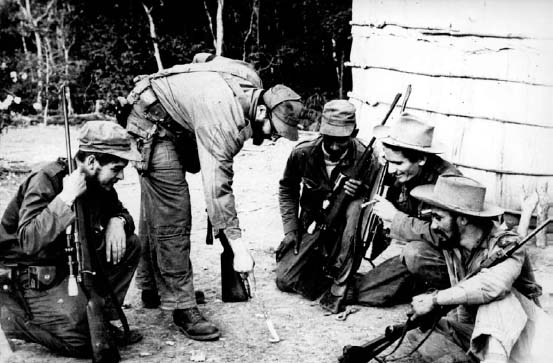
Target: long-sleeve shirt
[
  {"x": 306, "y": 172},
  {"x": 216, "y": 108},
  {"x": 406, "y": 225},
  {"x": 33, "y": 225},
  {"x": 491, "y": 283}
]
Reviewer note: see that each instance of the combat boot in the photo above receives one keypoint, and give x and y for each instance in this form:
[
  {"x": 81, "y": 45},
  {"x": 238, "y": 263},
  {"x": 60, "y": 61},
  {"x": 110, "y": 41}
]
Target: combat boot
[{"x": 192, "y": 324}]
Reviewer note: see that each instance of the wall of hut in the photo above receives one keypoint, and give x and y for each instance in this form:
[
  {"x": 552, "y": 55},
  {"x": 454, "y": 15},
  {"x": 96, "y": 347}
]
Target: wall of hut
[{"x": 481, "y": 72}]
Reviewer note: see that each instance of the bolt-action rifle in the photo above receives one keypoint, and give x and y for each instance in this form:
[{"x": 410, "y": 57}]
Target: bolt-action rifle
[
  {"x": 371, "y": 350},
  {"x": 373, "y": 230},
  {"x": 334, "y": 207},
  {"x": 104, "y": 349}
]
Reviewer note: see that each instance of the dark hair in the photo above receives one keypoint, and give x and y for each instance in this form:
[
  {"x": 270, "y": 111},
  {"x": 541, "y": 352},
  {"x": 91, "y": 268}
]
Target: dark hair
[
  {"x": 411, "y": 155},
  {"x": 102, "y": 158}
]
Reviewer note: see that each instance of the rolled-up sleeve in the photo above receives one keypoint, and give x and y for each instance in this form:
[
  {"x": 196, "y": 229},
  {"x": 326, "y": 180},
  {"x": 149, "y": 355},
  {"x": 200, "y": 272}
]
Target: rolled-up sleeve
[
  {"x": 289, "y": 194},
  {"x": 43, "y": 215},
  {"x": 487, "y": 285}
]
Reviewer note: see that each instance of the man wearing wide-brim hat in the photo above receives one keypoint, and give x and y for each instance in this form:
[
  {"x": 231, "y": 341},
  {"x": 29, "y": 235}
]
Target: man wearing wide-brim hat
[
  {"x": 497, "y": 313},
  {"x": 39, "y": 305},
  {"x": 412, "y": 158},
  {"x": 307, "y": 256}
]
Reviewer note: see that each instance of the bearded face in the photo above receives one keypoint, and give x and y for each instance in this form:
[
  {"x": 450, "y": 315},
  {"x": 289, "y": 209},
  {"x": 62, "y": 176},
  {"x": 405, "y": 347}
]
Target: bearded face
[{"x": 445, "y": 228}]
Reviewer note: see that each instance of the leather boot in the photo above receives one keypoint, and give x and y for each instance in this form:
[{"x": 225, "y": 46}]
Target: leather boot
[{"x": 192, "y": 324}]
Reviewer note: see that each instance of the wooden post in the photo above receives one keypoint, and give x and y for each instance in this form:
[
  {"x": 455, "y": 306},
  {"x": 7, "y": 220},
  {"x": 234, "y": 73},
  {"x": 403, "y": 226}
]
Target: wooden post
[{"x": 542, "y": 210}]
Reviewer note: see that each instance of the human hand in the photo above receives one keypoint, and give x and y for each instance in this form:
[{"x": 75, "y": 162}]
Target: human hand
[
  {"x": 352, "y": 187},
  {"x": 74, "y": 185},
  {"x": 243, "y": 260},
  {"x": 116, "y": 240},
  {"x": 423, "y": 304},
  {"x": 291, "y": 239},
  {"x": 384, "y": 209}
]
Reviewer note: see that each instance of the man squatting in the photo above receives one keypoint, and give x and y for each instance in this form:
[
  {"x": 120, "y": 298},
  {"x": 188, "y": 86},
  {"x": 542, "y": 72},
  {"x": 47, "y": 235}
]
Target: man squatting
[
  {"x": 498, "y": 318},
  {"x": 37, "y": 307}
]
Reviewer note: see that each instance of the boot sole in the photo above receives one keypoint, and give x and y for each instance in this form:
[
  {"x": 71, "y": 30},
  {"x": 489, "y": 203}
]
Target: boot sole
[{"x": 207, "y": 337}]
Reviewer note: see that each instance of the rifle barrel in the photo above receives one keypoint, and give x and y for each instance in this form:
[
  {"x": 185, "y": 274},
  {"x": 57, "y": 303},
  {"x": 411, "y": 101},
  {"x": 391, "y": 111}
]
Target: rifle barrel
[{"x": 66, "y": 125}]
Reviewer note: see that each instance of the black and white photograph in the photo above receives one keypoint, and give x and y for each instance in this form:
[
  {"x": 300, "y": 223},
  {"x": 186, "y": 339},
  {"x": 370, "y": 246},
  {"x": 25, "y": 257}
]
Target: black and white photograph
[{"x": 276, "y": 181}]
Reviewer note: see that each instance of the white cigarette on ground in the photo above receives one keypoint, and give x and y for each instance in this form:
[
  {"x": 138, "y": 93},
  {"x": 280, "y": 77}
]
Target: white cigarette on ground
[{"x": 274, "y": 336}]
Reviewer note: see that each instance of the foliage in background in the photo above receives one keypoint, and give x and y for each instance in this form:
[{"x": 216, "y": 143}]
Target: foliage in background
[{"x": 302, "y": 44}]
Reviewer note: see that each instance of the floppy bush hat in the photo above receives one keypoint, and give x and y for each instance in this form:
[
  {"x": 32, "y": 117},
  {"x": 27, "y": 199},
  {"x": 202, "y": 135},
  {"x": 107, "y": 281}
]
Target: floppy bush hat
[
  {"x": 409, "y": 132},
  {"x": 457, "y": 194}
]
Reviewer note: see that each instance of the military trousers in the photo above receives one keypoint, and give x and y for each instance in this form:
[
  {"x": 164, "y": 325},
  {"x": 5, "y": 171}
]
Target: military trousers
[
  {"x": 59, "y": 321},
  {"x": 319, "y": 263},
  {"x": 164, "y": 230}
]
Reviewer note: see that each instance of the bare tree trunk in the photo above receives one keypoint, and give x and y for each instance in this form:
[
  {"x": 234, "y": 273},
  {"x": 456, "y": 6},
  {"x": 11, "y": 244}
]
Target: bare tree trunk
[
  {"x": 339, "y": 70},
  {"x": 341, "y": 76},
  {"x": 49, "y": 61},
  {"x": 33, "y": 23},
  {"x": 542, "y": 211},
  {"x": 153, "y": 35},
  {"x": 257, "y": 6},
  {"x": 210, "y": 24},
  {"x": 248, "y": 33},
  {"x": 220, "y": 29},
  {"x": 38, "y": 44}
]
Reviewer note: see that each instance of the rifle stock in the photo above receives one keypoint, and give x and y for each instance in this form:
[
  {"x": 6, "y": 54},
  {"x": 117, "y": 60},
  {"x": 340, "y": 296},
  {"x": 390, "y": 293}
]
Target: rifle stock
[{"x": 104, "y": 349}]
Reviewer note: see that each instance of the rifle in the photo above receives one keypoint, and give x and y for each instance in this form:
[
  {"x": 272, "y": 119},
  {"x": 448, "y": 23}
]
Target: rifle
[
  {"x": 370, "y": 350},
  {"x": 104, "y": 349},
  {"x": 334, "y": 206},
  {"x": 373, "y": 231}
]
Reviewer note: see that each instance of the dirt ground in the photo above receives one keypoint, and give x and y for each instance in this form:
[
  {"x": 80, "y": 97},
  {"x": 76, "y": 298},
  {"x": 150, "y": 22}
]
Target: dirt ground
[{"x": 308, "y": 335}]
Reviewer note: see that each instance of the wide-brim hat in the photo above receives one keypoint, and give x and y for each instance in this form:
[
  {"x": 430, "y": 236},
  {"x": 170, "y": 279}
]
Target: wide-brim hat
[
  {"x": 107, "y": 137},
  {"x": 409, "y": 132},
  {"x": 338, "y": 118},
  {"x": 457, "y": 194},
  {"x": 285, "y": 108}
]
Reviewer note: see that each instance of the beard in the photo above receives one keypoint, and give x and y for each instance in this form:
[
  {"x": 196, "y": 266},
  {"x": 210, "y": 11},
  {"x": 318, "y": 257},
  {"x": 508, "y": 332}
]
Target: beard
[
  {"x": 448, "y": 239},
  {"x": 257, "y": 133}
]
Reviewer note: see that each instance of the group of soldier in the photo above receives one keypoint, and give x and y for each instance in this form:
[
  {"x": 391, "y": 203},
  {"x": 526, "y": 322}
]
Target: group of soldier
[{"x": 195, "y": 118}]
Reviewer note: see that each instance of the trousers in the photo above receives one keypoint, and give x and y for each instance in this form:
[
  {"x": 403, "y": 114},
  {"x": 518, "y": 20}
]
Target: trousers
[
  {"x": 59, "y": 321},
  {"x": 420, "y": 267},
  {"x": 164, "y": 230},
  {"x": 316, "y": 266}
]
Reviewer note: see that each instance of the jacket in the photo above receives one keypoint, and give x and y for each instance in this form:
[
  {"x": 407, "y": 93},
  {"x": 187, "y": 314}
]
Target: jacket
[
  {"x": 217, "y": 108},
  {"x": 32, "y": 229},
  {"x": 305, "y": 170}
]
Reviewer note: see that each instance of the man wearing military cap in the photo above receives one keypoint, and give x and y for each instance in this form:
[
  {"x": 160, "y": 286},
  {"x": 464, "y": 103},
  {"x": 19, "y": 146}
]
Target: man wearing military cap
[
  {"x": 497, "y": 319},
  {"x": 37, "y": 307},
  {"x": 307, "y": 263},
  {"x": 194, "y": 117}
]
